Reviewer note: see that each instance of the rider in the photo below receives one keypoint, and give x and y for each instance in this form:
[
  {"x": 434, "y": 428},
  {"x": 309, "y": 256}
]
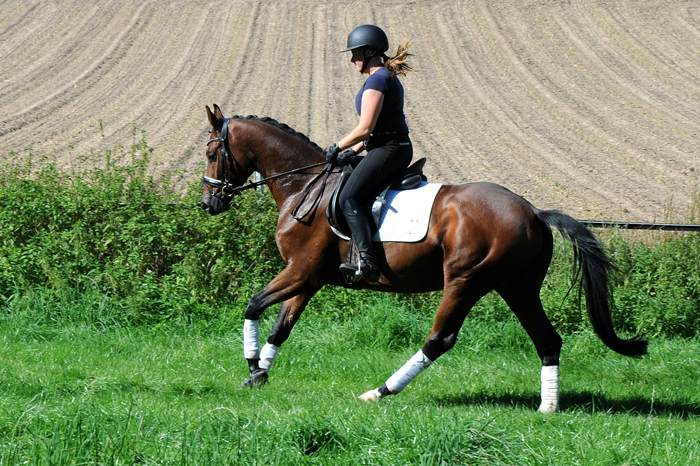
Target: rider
[{"x": 382, "y": 131}]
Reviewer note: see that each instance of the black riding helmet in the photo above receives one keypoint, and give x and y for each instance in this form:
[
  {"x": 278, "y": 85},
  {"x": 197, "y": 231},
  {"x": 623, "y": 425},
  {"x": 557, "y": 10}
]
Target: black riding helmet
[{"x": 369, "y": 37}]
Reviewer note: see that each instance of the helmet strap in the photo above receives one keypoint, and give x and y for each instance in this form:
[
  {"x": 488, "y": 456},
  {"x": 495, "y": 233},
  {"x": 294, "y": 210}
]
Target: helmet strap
[{"x": 366, "y": 60}]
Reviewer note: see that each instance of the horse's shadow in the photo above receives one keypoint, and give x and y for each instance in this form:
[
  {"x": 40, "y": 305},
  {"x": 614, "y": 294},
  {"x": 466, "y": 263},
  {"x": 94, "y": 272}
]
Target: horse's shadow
[{"x": 580, "y": 402}]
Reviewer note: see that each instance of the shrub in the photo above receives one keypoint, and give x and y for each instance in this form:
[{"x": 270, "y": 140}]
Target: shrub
[
  {"x": 138, "y": 241},
  {"x": 146, "y": 253}
]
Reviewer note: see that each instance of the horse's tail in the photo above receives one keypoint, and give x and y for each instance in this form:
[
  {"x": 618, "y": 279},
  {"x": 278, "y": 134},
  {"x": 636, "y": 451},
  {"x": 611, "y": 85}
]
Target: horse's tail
[{"x": 590, "y": 260}]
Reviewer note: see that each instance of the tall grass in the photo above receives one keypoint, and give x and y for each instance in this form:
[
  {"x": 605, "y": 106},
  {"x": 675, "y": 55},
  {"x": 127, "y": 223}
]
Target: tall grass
[{"x": 170, "y": 394}]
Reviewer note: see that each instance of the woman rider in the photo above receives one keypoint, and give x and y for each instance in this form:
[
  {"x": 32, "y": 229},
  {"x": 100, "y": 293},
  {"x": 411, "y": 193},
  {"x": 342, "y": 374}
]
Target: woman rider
[{"x": 382, "y": 131}]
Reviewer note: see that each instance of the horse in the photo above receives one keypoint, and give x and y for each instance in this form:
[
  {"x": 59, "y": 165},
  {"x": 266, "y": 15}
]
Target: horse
[{"x": 481, "y": 238}]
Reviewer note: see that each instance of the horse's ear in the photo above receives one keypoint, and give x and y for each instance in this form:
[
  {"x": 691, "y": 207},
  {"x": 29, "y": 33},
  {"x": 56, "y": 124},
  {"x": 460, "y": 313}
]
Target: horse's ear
[
  {"x": 216, "y": 122},
  {"x": 218, "y": 112}
]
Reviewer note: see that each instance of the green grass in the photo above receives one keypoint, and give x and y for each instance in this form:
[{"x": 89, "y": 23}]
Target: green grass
[{"x": 73, "y": 393}]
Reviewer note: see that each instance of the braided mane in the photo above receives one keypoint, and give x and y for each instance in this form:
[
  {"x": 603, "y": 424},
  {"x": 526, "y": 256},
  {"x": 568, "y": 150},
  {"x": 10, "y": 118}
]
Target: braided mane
[{"x": 286, "y": 128}]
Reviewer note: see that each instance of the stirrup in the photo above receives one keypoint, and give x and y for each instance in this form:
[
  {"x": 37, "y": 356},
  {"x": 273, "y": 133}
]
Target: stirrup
[{"x": 356, "y": 272}]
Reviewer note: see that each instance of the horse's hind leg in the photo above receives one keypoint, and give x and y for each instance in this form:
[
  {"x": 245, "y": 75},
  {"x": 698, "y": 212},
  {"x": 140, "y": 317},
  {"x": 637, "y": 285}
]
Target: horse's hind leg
[
  {"x": 458, "y": 299},
  {"x": 523, "y": 297}
]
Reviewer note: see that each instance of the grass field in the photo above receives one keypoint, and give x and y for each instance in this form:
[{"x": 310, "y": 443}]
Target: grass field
[
  {"x": 120, "y": 335},
  {"x": 73, "y": 393}
]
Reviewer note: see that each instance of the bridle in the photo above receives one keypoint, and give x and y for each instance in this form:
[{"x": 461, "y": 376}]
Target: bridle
[{"x": 228, "y": 189}]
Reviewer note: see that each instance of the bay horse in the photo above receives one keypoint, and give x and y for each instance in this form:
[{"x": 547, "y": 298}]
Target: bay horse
[{"x": 481, "y": 237}]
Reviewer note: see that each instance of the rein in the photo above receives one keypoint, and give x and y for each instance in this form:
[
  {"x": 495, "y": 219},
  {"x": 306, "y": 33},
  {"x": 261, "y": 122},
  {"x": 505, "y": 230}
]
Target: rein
[
  {"x": 228, "y": 189},
  {"x": 233, "y": 190},
  {"x": 325, "y": 173}
]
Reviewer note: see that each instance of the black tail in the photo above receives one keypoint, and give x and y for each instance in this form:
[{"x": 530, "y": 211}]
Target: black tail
[{"x": 594, "y": 264}]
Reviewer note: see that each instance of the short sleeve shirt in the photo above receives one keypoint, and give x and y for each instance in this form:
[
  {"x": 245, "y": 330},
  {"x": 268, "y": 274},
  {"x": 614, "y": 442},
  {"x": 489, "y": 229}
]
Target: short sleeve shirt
[{"x": 391, "y": 117}]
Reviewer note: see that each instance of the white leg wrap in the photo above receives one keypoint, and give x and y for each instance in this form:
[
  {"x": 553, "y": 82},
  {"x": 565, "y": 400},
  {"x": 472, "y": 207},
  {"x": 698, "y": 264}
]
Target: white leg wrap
[
  {"x": 408, "y": 372},
  {"x": 267, "y": 356},
  {"x": 251, "y": 345},
  {"x": 550, "y": 389}
]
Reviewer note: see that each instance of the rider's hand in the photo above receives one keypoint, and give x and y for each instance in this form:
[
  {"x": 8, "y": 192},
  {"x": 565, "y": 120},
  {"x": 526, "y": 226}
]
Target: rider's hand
[
  {"x": 349, "y": 157},
  {"x": 331, "y": 154}
]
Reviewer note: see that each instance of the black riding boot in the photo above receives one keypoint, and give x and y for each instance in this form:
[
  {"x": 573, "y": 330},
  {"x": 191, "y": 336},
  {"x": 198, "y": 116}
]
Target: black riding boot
[{"x": 362, "y": 234}]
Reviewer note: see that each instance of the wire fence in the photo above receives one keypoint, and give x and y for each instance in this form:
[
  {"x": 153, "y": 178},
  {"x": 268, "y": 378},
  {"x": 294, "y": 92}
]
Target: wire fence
[{"x": 641, "y": 225}]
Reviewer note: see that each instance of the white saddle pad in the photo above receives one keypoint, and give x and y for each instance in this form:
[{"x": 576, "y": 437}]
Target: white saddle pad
[{"x": 406, "y": 214}]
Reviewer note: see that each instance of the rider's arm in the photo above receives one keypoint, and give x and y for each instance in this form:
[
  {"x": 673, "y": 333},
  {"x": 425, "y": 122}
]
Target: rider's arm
[{"x": 372, "y": 101}]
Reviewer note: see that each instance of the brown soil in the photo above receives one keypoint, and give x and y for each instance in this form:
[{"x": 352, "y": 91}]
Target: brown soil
[{"x": 590, "y": 107}]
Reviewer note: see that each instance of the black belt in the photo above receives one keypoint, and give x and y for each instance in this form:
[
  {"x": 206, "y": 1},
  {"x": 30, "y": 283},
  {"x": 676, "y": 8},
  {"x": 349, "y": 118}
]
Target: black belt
[
  {"x": 377, "y": 140},
  {"x": 388, "y": 133}
]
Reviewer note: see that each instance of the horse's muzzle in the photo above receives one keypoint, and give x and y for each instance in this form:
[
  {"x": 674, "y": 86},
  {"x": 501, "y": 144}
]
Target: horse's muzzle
[{"x": 215, "y": 204}]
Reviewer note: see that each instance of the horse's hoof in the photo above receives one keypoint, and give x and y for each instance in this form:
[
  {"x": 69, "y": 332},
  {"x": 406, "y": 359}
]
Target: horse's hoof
[
  {"x": 256, "y": 379},
  {"x": 548, "y": 408},
  {"x": 371, "y": 396}
]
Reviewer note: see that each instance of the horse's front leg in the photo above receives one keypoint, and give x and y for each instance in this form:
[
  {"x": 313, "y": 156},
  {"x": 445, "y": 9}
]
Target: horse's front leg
[
  {"x": 260, "y": 361},
  {"x": 295, "y": 293}
]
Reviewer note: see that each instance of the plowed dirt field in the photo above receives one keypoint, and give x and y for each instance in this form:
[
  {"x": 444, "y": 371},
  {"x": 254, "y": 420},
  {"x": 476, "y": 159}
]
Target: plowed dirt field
[{"x": 590, "y": 107}]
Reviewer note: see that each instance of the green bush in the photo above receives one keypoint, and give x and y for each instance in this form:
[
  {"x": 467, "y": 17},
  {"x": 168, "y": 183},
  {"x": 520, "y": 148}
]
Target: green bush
[
  {"x": 658, "y": 285},
  {"x": 144, "y": 252},
  {"x": 118, "y": 232}
]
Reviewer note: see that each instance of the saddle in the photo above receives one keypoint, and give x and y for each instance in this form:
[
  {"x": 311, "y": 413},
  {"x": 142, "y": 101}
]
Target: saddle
[{"x": 410, "y": 179}]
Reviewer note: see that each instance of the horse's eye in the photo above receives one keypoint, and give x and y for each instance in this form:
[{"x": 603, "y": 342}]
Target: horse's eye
[{"x": 209, "y": 130}]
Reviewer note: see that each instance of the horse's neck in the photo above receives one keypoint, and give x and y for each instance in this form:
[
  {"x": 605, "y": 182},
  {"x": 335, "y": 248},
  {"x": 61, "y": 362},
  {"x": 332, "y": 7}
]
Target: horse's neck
[{"x": 277, "y": 153}]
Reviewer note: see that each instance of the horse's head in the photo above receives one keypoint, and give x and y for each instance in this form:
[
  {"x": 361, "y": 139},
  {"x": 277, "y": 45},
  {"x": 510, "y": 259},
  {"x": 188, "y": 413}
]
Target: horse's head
[
  {"x": 241, "y": 145},
  {"x": 224, "y": 171}
]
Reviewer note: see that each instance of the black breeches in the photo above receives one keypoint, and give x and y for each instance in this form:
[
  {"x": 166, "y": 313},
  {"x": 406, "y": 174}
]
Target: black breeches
[{"x": 377, "y": 170}]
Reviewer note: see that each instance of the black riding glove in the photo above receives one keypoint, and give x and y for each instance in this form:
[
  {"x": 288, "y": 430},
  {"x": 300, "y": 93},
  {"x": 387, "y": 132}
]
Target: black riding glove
[
  {"x": 349, "y": 157},
  {"x": 331, "y": 154}
]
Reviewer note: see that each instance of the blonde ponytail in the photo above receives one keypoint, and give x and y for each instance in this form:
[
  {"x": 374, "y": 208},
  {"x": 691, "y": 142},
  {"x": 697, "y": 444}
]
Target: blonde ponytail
[{"x": 399, "y": 64}]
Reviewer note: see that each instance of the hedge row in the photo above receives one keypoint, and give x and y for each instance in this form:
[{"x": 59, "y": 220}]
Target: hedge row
[{"x": 143, "y": 249}]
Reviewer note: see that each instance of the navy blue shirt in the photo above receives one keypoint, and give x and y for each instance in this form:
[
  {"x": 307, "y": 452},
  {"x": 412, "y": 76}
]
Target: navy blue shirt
[{"x": 391, "y": 117}]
